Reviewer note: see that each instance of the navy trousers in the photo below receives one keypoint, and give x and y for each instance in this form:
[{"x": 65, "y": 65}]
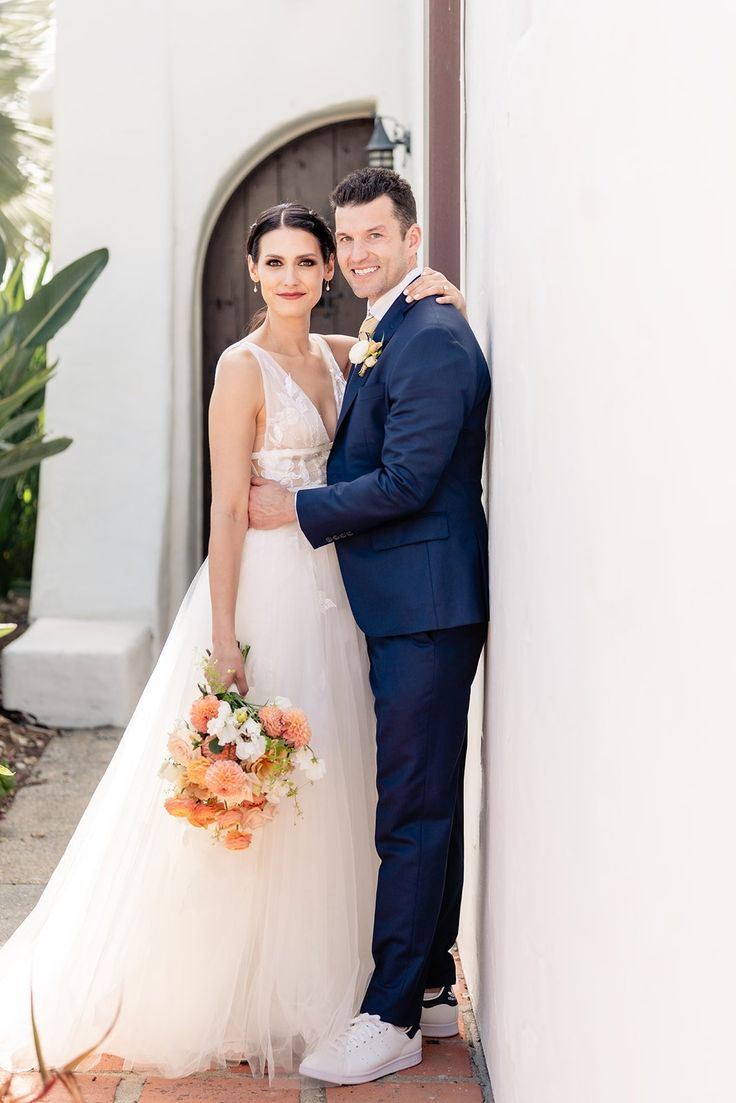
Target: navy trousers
[{"x": 421, "y": 684}]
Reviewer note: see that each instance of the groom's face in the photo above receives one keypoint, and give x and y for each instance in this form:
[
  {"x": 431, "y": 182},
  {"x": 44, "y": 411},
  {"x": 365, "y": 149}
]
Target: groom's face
[{"x": 373, "y": 251}]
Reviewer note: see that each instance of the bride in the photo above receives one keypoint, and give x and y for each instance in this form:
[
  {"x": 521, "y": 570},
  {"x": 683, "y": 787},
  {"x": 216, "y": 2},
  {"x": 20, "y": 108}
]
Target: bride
[{"x": 212, "y": 955}]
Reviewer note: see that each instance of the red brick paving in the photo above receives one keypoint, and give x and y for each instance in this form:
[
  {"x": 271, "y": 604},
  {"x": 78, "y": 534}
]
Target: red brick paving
[
  {"x": 223, "y": 1088},
  {"x": 445, "y": 1075},
  {"x": 449, "y": 1059},
  {"x": 388, "y": 1092},
  {"x": 94, "y": 1088}
]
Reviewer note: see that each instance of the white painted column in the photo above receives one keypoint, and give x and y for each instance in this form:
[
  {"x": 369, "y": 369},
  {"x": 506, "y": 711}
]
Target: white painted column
[
  {"x": 103, "y": 505},
  {"x": 599, "y": 933}
]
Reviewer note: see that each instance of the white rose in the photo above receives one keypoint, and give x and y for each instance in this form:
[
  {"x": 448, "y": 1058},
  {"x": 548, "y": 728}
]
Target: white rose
[
  {"x": 282, "y": 703},
  {"x": 358, "y": 352},
  {"x": 251, "y": 728}
]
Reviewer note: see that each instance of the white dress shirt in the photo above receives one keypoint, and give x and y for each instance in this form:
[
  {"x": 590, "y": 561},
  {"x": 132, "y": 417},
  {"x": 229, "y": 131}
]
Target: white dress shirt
[{"x": 381, "y": 306}]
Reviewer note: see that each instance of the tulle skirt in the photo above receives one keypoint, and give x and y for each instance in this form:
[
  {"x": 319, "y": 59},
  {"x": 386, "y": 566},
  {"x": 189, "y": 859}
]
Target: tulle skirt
[{"x": 213, "y": 955}]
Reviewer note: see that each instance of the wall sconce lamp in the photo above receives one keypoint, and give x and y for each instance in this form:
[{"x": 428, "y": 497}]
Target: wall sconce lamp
[{"x": 381, "y": 148}]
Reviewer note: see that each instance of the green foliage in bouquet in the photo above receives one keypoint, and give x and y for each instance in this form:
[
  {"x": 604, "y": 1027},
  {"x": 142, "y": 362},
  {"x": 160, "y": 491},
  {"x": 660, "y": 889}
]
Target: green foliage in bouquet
[{"x": 27, "y": 323}]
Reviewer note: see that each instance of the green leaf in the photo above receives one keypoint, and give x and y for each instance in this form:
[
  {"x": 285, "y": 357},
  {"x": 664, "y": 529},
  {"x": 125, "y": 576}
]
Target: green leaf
[
  {"x": 37, "y": 1044},
  {"x": 20, "y": 421},
  {"x": 14, "y": 366},
  {"x": 13, "y": 401},
  {"x": 54, "y": 304},
  {"x": 14, "y": 292},
  {"x": 42, "y": 273},
  {"x": 28, "y": 454},
  {"x": 3, "y": 258},
  {"x": 6, "y": 326},
  {"x": 215, "y": 747}
]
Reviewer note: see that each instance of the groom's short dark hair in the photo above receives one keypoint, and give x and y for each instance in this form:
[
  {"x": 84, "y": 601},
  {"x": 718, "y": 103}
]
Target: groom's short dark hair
[{"x": 365, "y": 185}]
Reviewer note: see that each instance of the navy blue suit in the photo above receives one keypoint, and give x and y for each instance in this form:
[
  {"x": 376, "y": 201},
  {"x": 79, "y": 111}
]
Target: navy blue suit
[{"x": 404, "y": 506}]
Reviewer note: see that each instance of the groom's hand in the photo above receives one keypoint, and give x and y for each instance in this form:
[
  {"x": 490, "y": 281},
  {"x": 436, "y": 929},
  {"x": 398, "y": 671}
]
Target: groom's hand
[{"x": 269, "y": 505}]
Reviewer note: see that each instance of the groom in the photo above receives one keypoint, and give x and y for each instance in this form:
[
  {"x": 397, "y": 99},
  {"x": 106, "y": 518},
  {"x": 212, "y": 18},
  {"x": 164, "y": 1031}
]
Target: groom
[{"x": 403, "y": 505}]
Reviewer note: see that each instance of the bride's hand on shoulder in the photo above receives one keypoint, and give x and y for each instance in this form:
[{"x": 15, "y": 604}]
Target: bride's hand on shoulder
[
  {"x": 228, "y": 666},
  {"x": 432, "y": 282}
]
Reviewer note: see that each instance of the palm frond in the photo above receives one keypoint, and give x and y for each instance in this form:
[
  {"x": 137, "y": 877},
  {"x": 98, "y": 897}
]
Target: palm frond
[{"x": 25, "y": 31}]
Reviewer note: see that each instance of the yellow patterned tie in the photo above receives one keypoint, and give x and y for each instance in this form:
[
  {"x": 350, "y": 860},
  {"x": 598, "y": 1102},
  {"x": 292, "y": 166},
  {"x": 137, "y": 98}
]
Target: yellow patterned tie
[{"x": 368, "y": 328}]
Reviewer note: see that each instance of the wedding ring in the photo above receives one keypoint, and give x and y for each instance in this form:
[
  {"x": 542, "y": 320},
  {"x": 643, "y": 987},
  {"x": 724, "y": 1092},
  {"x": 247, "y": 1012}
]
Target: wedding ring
[{"x": 445, "y": 287}]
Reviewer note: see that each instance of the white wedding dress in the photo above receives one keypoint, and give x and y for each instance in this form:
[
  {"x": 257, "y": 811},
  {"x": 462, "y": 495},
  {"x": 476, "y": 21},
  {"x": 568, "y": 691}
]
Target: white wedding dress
[{"x": 216, "y": 955}]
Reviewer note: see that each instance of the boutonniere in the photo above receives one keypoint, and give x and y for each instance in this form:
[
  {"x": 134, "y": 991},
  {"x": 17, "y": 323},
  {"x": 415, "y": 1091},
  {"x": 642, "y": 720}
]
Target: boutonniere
[{"x": 366, "y": 354}]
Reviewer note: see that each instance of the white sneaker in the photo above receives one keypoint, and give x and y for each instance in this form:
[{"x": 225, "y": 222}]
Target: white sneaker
[
  {"x": 368, "y": 1049},
  {"x": 439, "y": 1015}
]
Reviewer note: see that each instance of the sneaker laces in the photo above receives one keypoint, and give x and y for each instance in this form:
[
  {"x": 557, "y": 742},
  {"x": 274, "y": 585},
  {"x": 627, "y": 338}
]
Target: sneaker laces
[{"x": 363, "y": 1028}]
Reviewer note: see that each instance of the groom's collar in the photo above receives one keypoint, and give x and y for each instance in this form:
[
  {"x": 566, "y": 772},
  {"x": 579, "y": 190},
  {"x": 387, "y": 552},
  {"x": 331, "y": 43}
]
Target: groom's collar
[
  {"x": 392, "y": 319},
  {"x": 382, "y": 306}
]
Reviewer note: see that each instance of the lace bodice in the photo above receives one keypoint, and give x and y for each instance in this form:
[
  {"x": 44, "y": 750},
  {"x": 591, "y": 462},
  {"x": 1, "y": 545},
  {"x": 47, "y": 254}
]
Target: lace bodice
[{"x": 296, "y": 443}]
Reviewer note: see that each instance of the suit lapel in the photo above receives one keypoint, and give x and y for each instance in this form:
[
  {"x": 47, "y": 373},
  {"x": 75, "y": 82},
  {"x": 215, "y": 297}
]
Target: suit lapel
[{"x": 385, "y": 330}]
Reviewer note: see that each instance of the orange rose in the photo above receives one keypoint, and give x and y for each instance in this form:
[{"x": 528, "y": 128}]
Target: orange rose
[
  {"x": 265, "y": 769},
  {"x": 238, "y": 840},
  {"x": 180, "y": 806},
  {"x": 230, "y": 818},
  {"x": 196, "y": 770},
  {"x": 204, "y": 815},
  {"x": 256, "y": 817},
  {"x": 197, "y": 792}
]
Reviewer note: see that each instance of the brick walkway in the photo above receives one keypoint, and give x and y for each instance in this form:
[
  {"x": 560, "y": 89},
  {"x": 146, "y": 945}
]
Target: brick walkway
[{"x": 452, "y": 1071}]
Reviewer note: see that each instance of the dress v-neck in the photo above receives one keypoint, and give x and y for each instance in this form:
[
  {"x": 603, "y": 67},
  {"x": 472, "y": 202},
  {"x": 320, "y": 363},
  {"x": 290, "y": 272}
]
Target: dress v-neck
[{"x": 322, "y": 345}]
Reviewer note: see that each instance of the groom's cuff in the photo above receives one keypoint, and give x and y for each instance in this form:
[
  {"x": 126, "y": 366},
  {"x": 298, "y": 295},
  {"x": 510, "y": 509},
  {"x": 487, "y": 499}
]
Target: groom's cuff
[
  {"x": 307, "y": 522},
  {"x": 314, "y": 535},
  {"x": 296, "y": 509}
]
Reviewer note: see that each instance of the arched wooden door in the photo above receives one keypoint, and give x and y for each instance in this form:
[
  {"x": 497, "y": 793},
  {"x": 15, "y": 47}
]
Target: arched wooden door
[{"x": 302, "y": 171}]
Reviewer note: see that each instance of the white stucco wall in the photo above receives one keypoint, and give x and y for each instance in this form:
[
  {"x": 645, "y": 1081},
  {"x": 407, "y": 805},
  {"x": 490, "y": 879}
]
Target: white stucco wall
[
  {"x": 601, "y": 248},
  {"x": 159, "y": 110}
]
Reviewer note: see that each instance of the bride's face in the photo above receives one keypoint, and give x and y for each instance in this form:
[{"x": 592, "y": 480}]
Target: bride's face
[{"x": 290, "y": 271}]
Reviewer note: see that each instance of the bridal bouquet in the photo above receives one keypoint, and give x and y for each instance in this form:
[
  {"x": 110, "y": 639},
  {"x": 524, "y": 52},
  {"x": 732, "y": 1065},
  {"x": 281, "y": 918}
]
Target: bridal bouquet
[{"x": 233, "y": 762}]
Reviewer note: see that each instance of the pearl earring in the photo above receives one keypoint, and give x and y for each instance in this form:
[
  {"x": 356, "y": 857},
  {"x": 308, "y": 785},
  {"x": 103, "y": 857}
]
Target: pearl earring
[
  {"x": 327, "y": 287},
  {"x": 255, "y": 288}
]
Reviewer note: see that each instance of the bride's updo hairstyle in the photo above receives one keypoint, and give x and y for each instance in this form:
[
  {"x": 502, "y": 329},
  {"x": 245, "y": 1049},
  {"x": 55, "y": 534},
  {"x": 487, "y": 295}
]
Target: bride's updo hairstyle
[{"x": 297, "y": 217}]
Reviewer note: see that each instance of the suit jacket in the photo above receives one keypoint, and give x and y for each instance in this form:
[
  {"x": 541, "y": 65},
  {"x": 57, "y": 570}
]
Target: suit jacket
[{"x": 403, "y": 502}]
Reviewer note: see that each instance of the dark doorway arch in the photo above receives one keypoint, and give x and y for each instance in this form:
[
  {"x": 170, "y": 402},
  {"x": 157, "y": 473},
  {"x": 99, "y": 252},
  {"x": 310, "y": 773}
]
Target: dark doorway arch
[{"x": 303, "y": 171}]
